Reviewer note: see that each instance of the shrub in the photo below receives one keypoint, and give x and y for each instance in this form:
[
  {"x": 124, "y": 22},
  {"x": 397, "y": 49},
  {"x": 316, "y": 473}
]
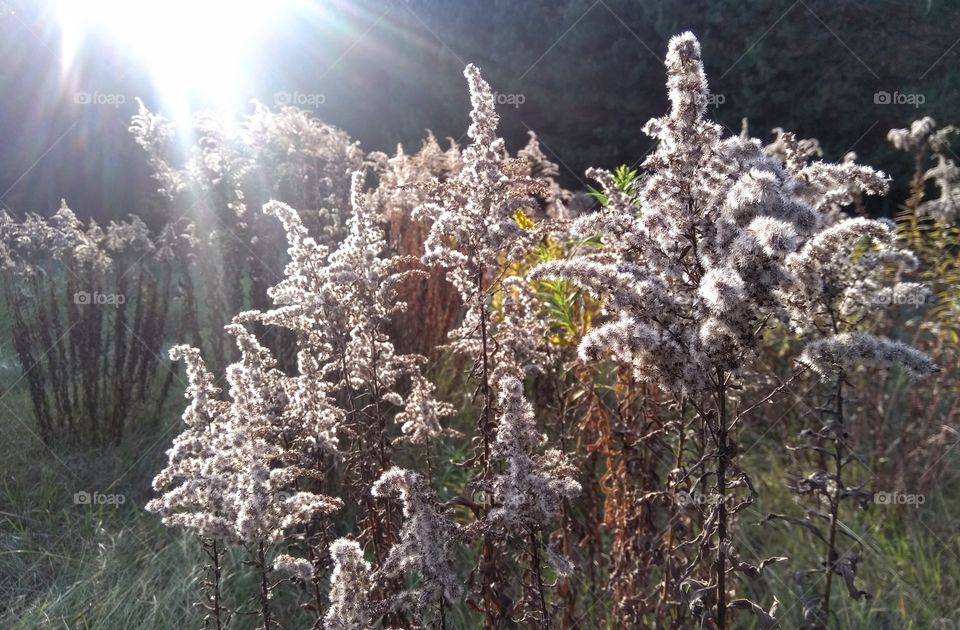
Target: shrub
[{"x": 645, "y": 355}]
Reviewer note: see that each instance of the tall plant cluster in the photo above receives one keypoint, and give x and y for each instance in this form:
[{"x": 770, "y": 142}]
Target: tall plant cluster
[
  {"x": 231, "y": 168},
  {"x": 718, "y": 241},
  {"x": 90, "y": 310},
  {"x": 285, "y": 431},
  {"x": 432, "y": 304},
  {"x": 928, "y": 226},
  {"x": 334, "y": 430},
  {"x": 588, "y": 467}
]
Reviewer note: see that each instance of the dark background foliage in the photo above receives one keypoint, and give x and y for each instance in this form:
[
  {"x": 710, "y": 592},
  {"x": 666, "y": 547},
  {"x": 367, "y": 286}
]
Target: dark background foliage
[{"x": 589, "y": 74}]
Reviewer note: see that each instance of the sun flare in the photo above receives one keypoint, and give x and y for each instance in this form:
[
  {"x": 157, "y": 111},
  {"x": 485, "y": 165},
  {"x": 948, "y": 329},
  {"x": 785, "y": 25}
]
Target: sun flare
[{"x": 190, "y": 49}]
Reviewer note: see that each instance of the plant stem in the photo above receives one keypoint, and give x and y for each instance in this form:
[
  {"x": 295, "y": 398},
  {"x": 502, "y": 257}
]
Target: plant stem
[
  {"x": 264, "y": 586},
  {"x": 488, "y": 560},
  {"x": 668, "y": 559},
  {"x": 722, "y": 455},
  {"x": 485, "y": 384},
  {"x": 535, "y": 560},
  {"x": 835, "y": 503},
  {"x": 212, "y": 549}
]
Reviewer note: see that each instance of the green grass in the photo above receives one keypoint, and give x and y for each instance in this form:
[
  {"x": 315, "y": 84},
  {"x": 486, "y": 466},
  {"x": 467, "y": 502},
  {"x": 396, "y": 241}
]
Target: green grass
[
  {"x": 64, "y": 565},
  {"x": 910, "y": 565},
  {"x": 85, "y": 566}
]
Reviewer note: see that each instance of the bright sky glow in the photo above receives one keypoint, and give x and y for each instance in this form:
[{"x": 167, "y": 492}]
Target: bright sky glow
[{"x": 191, "y": 49}]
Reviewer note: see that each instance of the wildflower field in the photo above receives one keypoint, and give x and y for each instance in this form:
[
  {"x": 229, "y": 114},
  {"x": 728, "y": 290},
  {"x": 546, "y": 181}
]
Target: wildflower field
[{"x": 316, "y": 385}]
